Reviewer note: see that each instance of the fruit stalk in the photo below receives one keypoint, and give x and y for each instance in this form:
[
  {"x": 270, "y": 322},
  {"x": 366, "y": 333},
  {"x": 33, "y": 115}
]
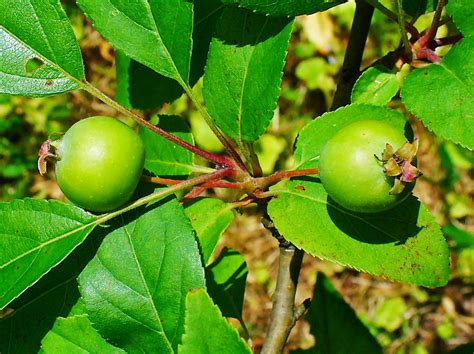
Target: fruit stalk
[{"x": 220, "y": 161}]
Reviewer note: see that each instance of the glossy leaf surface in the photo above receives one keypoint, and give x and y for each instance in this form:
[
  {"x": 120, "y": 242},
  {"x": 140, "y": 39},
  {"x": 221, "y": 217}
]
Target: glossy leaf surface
[
  {"x": 156, "y": 34},
  {"x": 244, "y": 71},
  {"x": 402, "y": 244},
  {"x": 75, "y": 334},
  {"x": 39, "y": 53},
  {"x": 135, "y": 287}
]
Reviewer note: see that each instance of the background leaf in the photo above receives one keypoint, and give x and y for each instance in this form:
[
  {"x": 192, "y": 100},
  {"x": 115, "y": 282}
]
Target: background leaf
[
  {"x": 335, "y": 325},
  {"x": 40, "y": 55},
  {"x": 244, "y": 70},
  {"x": 288, "y": 8},
  {"x": 221, "y": 336},
  {"x": 35, "y": 235},
  {"x": 140, "y": 87},
  {"x": 35, "y": 311},
  {"x": 156, "y": 34},
  {"x": 163, "y": 157},
  {"x": 376, "y": 85},
  {"x": 402, "y": 244},
  {"x": 225, "y": 280},
  {"x": 135, "y": 287},
  {"x": 417, "y": 8},
  {"x": 442, "y": 95},
  {"x": 210, "y": 217}
]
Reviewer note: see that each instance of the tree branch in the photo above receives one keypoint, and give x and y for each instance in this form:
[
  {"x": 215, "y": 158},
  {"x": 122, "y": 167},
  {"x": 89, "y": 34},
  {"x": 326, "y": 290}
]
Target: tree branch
[
  {"x": 284, "y": 314},
  {"x": 353, "y": 57}
]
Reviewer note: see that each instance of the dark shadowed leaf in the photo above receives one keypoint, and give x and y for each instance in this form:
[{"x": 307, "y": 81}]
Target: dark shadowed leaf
[
  {"x": 35, "y": 311},
  {"x": 35, "y": 235},
  {"x": 225, "y": 279},
  {"x": 288, "y": 8},
  {"x": 164, "y": 158},
  {"x": 335, "y": 325}
]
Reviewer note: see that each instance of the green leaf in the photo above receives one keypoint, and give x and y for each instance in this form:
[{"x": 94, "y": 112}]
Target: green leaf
[
  {"x": 462, "y": 238},
  {"x": 220, "y": 336},
  {"x": 390, "y": 314},
  {"x": 140, "y": 87},
  {"x": 463, "y": 349},
  {"x": 335, "y": 325},
  {"x": 315, "y": 134},
  {"x": 225, "y": 280},
  {"x": 210, "y": 217},
  {"x": 377, "y": 86},
  {"x": 75, "y": 334},
  {"x": 417, "y": 8},
  {"x": 401, "y": 244},
  {"x": 135, "y": 287},
  {"x": 163, "y": 157},
  {"x": 35, "y": 311},
  {"x": 244, "y": 70},
  {"x": 39, "y": 53},
  {"x": 288, "y": 8},
  {"x": 442, "y": 95},
  {"x": 35, "y": 235},
  {"x": 462, "y": 13},
  {"x": 156, "y": 34}
]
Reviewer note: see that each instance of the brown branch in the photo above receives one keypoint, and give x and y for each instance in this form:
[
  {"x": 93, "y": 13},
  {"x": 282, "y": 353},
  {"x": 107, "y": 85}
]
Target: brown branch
[{"x": 353, "y": 57}]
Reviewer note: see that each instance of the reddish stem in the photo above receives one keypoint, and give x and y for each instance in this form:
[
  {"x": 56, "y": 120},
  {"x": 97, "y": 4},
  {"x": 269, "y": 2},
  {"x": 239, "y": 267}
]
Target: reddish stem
[
  {"x": 439, "y": 42},
  {"x": 289, "y": 174},
  {"x": 219, "y": 160},
  {"x": 435, "y": 23}
]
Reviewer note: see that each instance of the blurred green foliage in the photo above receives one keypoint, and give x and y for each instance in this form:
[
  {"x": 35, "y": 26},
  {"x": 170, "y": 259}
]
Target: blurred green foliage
[{"x": 24, "y": 125}]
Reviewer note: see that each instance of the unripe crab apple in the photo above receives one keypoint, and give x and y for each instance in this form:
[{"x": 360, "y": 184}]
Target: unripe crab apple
[
  {"x": 99, "y": 162},
  {"x": 366, "y": 166}
]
